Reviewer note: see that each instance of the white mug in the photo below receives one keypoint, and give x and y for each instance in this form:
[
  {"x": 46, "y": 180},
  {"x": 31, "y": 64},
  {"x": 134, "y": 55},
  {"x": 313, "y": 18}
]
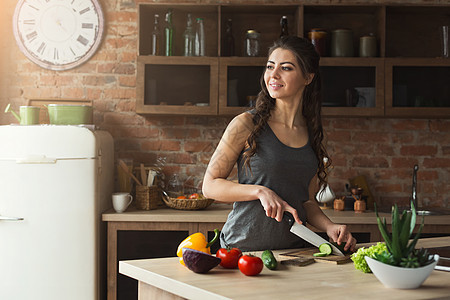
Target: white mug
[
  {"x": 121, "y": 201},
  {"x": 325, "y": 195}
]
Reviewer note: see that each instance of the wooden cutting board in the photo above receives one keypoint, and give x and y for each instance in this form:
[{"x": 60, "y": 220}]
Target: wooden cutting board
[{"x": 308, "y": 253}]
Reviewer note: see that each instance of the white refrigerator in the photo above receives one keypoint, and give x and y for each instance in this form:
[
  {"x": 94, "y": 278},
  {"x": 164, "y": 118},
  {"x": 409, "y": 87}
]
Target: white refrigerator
[{"x": 55, "y": 181}]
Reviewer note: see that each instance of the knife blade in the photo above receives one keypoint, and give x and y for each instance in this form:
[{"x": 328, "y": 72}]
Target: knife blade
[{"x": 311, "y": 237}]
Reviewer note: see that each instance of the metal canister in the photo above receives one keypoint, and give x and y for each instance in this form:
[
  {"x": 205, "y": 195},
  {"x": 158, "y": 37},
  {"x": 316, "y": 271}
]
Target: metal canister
[
  {"x": 318, "y": 38},
  {"x": 342, "y": 43},
  {"x": 368, "y": 46}
]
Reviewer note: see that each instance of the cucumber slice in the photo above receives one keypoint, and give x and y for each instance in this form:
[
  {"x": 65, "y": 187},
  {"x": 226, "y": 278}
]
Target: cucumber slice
[
  {"x": 319, "y": 254},
  {"x": 326, "y": 248}
]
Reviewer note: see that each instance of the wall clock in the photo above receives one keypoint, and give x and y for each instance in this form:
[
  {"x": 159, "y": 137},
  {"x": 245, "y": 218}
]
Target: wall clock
[{"x": 58, "y": 34}]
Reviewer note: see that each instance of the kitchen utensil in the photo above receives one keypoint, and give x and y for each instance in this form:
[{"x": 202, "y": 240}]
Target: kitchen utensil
[
  {"x": 61, "y": 114},
  {"x": 311, "y": 237},
  {"x": 143, "y": 174},
  {"x": 151, "y": 177},
  {"x": 125, "y": 169}
]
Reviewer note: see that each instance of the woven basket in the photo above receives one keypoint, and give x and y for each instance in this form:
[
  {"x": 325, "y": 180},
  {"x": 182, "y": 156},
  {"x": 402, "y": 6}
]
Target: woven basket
[
  {"x": 147, "y": 197},
  {"x": 187, "y": 204}
]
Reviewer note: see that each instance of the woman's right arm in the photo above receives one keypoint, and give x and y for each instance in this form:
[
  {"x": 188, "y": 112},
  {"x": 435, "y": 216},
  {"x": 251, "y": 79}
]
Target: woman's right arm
[{"x": 216, "y": 185}]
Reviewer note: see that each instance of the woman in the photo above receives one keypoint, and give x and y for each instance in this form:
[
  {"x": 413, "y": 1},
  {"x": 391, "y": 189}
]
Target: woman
[{"x": 279, "y": 151}]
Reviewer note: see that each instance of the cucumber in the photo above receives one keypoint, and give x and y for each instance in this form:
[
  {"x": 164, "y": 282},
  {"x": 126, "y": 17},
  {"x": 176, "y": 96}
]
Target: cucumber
[
  {"x": 319, "y": 254},
  {"x": 269, "y": 260},
  {"x": 325, "y": 248}
]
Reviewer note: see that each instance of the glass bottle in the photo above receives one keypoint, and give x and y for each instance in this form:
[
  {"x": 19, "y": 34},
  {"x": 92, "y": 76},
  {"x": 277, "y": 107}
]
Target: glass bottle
[
  {"x": 156, "y": 37},
  {"x": 189, "y": 38},
  {"x": 168, "y": 34},
  {"x": 252, "y": 44},
  {"x": 284, "y": 26},
  {"x": 228, "y": 49},
  {"x": 199, "y": 38},
  {"x": 175, "y": 187}
]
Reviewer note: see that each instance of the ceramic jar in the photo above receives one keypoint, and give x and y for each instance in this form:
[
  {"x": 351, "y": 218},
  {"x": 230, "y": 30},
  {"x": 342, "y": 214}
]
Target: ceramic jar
[
  {"x": 342, "y": 43},
  {"x": 367, "y": 46}
]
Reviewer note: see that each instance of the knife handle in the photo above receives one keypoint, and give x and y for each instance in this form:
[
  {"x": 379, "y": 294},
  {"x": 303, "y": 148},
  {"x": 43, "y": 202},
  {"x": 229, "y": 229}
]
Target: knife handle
[{"x": 288, "y": 217}]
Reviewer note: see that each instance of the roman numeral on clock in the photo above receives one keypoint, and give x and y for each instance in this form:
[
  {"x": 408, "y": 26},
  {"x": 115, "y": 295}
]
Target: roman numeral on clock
[
  {"x": 87, "y": 25},
  {"x": 41, "y": 48},
  {"x": 84, "y": 10},
  {"x": 82, "y": 40},
  {"x": 31, "y": 36}
]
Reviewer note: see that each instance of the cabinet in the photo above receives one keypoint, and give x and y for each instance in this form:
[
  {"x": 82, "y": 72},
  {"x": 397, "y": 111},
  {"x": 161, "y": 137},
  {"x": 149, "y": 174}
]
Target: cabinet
[{"x": 406, "y": 79}]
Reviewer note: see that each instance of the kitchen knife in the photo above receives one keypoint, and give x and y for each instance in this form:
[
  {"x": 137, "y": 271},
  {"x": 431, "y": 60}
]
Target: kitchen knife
[{"x": 311, "y": 237}]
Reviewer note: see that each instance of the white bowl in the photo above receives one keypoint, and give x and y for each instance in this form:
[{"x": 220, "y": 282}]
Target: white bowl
[{"x": 400, "y": 278}]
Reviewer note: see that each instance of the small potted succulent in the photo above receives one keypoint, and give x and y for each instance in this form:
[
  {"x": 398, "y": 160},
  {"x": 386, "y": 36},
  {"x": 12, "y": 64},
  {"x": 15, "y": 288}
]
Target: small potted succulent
[{"x": 402, "y": 265}]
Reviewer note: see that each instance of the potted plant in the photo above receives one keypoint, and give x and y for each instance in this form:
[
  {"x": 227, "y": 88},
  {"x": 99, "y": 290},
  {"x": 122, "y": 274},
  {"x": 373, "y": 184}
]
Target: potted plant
[{"x": 402, "y": 265}]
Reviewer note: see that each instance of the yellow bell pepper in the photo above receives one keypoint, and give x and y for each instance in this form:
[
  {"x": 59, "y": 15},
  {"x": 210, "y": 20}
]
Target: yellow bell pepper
[{"x": 196, "y": 241}]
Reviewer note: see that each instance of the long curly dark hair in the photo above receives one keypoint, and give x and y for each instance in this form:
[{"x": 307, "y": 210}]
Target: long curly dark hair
[{"x": 308, "y": 60}]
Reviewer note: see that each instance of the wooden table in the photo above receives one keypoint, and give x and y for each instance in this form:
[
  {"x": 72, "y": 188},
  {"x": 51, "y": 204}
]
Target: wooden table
[
  {"x": 214, "y": 217},
  {"x": 165, "y": 278}
]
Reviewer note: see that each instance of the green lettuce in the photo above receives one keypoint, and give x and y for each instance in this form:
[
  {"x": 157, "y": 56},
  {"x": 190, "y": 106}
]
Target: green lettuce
[{"x": 358, "y": 257}]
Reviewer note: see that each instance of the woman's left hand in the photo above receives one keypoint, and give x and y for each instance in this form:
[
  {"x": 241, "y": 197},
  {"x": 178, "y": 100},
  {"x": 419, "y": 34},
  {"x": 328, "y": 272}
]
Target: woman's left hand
[{"x": 339, "y": 234}]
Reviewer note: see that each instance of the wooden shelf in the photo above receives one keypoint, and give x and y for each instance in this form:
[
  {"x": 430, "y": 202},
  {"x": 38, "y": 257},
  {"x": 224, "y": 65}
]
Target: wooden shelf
[{"x": 407, "y": 36}]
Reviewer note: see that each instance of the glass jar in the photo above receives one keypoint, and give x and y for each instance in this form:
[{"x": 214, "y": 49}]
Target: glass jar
[
  {"x": 175, "y": 187},
  {"x": 318, "y": 38},
  {"x": 252, "y": 43}
]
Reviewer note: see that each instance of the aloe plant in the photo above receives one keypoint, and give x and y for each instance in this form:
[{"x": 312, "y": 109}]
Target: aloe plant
[{"x": 398, "y": 242}]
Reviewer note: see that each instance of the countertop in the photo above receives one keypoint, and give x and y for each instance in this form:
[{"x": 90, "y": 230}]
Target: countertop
[
  {"x": 314, "y": 281},
  {"x": 218, "y": 212}
]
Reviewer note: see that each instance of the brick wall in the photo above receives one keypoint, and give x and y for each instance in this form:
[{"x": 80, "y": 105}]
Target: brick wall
[{"x": 384, "y": 150}]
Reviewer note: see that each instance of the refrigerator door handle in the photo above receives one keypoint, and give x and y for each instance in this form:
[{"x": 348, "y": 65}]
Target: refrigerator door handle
[{"x": 5, "y": 218}]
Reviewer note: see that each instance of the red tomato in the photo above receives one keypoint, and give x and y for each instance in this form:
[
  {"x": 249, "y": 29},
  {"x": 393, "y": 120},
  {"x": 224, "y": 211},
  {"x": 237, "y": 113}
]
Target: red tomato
[
  {"x": 194, "y": 196},
  {"x": 229, "y": 257},
  {"x": 250, "y": 265},
  {"x": 181, "y": 197}
]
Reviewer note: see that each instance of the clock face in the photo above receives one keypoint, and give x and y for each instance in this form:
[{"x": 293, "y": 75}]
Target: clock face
[{"x": 58, "y": 34}]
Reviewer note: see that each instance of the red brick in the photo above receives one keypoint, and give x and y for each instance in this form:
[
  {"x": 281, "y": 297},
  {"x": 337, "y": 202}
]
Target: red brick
[
  {"x": 402, "y": 162},
  {"x": 170, "y": 145},
  {"x": 338, "y": 136},
  {"x": 153, "y": 145},
  {"x": 370, "y": 137},
  {"x": 122, "y": 119},
  {"x": 127, "y": 81},
  {"x": 197, "y": 146},
  {"x": 440, "y": 125},
  {"x": 414, "y": 125},
  {"x": 180, "y": 133},
  {"x": 436, "y": 163},
  {"x": 126, "y": 105},
  {"x": 125, "y": 69},
  {"x": 369, "y": 162},
  {"x": 422, "y": 150}
]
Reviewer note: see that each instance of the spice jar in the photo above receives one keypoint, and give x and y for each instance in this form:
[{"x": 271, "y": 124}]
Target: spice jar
[
  {"x": 359, "y": 206},
  {"x": 342, "y": 43},
  {"x": 318, "y": 38},
  {"x": 338, "y": 204},
  {"x": 252, "y": 43}
]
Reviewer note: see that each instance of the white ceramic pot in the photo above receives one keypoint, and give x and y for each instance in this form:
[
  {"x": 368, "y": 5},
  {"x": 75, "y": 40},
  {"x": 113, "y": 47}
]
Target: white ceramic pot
[{"x": 400, "y": 278}]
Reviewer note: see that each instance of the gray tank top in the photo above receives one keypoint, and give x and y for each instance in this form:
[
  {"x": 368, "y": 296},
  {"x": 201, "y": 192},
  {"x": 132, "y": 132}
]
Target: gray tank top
[{"x": 288, "y": 172}]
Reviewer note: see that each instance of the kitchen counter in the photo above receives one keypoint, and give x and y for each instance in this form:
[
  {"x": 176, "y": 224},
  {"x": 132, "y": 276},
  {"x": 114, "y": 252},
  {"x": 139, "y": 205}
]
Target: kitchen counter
[
  {"x": 165, "y": 278},
  {"x": 167, "y": 219}
]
